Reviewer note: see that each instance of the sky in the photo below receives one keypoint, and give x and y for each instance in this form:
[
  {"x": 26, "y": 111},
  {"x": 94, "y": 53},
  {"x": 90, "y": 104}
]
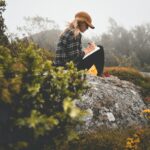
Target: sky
[{"x": 127, "y": 13}]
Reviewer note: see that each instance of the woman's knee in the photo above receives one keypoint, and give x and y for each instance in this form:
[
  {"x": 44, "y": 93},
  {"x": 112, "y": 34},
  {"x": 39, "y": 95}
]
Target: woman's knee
[{"x": 101, "y": 48}]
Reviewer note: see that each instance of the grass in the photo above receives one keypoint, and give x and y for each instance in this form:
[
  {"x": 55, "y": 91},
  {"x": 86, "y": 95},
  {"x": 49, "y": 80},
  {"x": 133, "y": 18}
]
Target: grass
[
  {"x": 133, "y": 138},
  {"x": 134, "y": 76}
]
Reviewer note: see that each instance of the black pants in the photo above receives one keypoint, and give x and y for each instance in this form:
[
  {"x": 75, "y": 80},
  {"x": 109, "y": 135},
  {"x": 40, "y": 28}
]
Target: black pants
[{"x": 97, "y": 58}]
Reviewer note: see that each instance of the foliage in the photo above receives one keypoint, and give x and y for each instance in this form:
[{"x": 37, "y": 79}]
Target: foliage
[
  {"x": 133, "y": 75},
  {"x": 43, "y": 31},
  {"x": 37, "y": 109},
  {"x": 126, "y": 47},
  {"x": 133, "y": 138},
  {"x": 139, "y": 140},
  {"x": 37, "y": 24},
  {"x": 3, "y": 37}
]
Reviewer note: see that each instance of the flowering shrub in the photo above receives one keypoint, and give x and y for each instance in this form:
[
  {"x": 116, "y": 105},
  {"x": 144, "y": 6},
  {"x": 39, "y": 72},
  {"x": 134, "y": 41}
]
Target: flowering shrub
[{"x": 132, "y": 142}]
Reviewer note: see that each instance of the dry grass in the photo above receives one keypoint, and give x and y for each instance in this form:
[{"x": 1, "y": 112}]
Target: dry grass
[{"x": 132, "y": 75}]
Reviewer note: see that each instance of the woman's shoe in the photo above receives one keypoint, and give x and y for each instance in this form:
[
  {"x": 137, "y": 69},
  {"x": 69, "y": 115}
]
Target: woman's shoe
[
  {"x": 100, "y": 75},
  {"x": 103, "y": 75}
]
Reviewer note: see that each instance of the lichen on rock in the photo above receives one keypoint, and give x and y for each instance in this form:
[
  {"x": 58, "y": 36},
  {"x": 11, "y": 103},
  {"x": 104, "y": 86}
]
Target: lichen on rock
[{"x": 112, "y": 103}]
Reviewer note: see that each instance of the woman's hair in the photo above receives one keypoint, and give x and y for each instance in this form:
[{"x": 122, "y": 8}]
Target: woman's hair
[{"x": 74, "y": 26}]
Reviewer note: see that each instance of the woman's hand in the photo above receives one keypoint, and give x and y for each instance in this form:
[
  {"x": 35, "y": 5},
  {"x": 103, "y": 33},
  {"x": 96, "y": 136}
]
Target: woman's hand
[{"x": 91, "y": 46}]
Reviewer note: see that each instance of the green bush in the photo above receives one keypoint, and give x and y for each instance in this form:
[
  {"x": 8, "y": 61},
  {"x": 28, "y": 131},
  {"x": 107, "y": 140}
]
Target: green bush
[{"x": 37, "y": 109}]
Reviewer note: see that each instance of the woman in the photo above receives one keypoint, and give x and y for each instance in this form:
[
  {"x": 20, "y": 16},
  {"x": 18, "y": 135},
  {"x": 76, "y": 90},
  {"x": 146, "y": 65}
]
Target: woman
[{"x": 69, "y": 47}]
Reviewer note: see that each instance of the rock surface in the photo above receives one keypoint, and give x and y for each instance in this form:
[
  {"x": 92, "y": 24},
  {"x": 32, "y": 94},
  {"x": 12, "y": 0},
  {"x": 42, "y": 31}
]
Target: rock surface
[
  {"x": 112, "y": 102},
  {"x": 145, "y": 74}
]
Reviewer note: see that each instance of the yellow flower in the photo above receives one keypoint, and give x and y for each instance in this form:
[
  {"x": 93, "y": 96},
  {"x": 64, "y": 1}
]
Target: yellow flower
[
  {"x": 146, "y": 111},
  {"x": 137, "y": 140}
]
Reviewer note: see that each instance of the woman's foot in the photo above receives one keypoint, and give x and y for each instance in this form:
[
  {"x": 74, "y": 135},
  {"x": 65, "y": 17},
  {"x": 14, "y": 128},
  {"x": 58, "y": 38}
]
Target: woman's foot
[
  {"x": 103, "y": 75},
  {"x": 100, "y": 75}
]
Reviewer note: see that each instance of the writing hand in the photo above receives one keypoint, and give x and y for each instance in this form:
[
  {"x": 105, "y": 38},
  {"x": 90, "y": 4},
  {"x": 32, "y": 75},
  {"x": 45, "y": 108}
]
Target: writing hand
[{"x": 92, "y": 45}]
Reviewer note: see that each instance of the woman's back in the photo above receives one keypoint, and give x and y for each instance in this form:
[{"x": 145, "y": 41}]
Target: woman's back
[{"x": 68, "y": 48}]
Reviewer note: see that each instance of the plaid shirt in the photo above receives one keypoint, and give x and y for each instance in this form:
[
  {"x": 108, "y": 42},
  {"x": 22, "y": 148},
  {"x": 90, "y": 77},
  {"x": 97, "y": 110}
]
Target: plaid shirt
[{"x": 68, "y": 48}]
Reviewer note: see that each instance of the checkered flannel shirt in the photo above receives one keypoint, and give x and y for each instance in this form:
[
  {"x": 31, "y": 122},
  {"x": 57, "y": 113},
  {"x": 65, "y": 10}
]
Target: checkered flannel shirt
[{"x": 68, "y": 48}]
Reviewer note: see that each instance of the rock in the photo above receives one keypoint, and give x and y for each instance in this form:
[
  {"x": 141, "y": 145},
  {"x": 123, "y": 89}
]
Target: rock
[
  {"x": 112, "y": 103},
  {"x": 145, "y": 74}
]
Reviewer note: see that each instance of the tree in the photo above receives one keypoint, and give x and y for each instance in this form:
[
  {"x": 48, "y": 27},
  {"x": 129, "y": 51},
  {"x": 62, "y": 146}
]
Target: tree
[
  {"x": 3, "y": 37},
  {"x": 37, "y": 24},
  {"x": 126, "y": 47},
  {"x": 43, "y": 31},
  {"x": 141, "y": 43}
]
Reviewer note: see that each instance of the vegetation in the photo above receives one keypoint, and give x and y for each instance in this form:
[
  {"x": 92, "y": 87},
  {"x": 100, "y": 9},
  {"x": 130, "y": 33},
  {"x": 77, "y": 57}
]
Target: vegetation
[
  {"x": 37, "y": 100},
  {"x": 3, "y": 37},
  {"x": 134, "y": 138},
  {"x": 37, "y": 109},
  {"x": 133, "y": 75}
]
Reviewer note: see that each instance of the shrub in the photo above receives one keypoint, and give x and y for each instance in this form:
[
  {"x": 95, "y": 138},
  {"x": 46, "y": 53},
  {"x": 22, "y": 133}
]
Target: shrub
[{"x": 37, "y": 109}]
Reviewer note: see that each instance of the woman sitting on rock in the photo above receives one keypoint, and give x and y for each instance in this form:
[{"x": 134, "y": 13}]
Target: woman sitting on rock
[{"x": 69, "y": 46}]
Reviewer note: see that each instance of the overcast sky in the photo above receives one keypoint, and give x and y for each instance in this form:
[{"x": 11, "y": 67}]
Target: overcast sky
[{"x": 126, "y": 12}]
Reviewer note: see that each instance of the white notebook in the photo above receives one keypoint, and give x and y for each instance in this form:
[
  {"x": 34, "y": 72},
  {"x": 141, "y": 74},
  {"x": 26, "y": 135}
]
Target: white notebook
[{"x": 93, "y": 51}]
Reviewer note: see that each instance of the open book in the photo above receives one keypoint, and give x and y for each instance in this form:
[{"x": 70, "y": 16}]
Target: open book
[{"x": 93, "y": 51}]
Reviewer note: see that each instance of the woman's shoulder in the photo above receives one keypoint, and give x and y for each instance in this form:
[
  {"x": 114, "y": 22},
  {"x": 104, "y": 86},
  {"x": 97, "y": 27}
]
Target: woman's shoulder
[{"x": 67, "y": 32}]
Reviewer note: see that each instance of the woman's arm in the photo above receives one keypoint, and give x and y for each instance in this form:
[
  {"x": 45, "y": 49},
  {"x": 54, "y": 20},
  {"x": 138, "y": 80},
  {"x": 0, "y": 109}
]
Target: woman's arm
[
  {"x": 61, "y": 56},
  {"x": 69, "y": 48},
  {"x": 74, "y": 48}
]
